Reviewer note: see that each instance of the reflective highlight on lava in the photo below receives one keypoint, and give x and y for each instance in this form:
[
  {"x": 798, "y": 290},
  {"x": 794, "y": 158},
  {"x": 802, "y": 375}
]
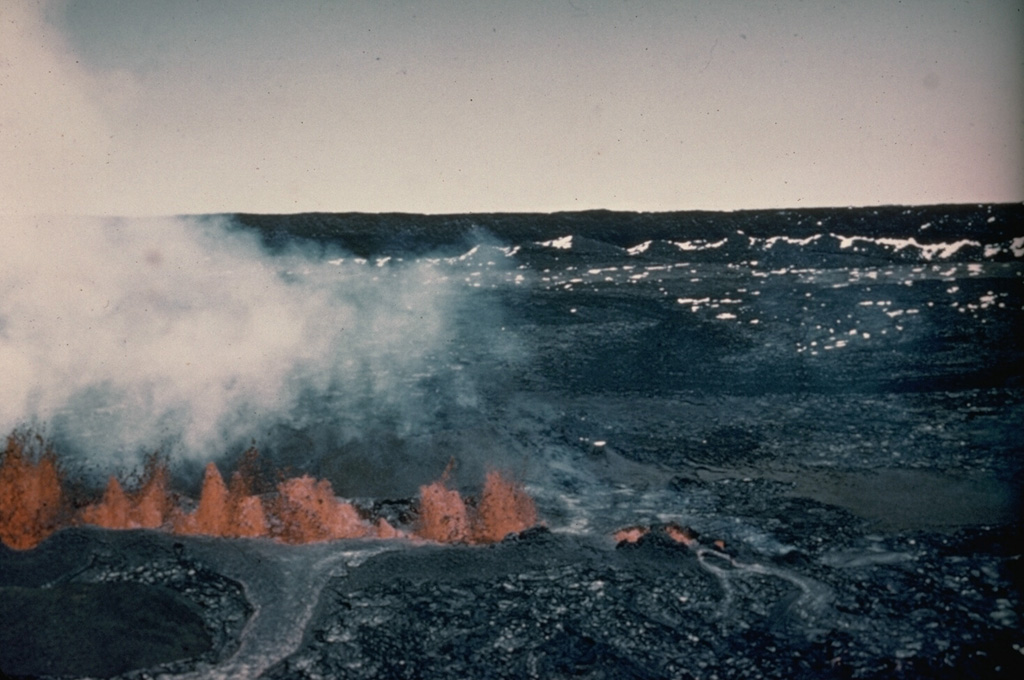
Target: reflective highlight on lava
[{"x": 34, "y": 504}]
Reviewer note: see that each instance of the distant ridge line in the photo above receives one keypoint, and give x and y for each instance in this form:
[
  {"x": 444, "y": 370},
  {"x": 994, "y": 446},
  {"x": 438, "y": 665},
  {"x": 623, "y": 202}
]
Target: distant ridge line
[{"x": 367, "y": 234}]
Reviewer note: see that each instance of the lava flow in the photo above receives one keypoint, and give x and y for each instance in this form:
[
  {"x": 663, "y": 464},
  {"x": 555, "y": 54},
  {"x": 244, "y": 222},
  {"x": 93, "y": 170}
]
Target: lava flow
[
  {"x": 34, "y": 504},
  {"x": 676, "y": 532}
]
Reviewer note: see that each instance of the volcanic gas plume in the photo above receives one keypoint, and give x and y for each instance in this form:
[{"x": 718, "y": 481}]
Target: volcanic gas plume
[{"x": 34, "y": 502}]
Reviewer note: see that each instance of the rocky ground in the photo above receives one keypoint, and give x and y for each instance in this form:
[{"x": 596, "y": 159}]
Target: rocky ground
[{"x": 839, "y": 603}]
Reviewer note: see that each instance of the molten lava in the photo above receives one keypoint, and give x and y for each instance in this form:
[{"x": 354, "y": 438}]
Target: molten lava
[
  {"x": 248, "y": 519},
  {"x": 211, "y": 517},
  {"x": 31, "y": 497},
  {"x": 299, "y": 510},
  {"x": 443, "y": 514},
  {"x": 112, "y": 512},
  {"x": 148, "y": 508},
  {"x": 504, "y": 509},
  {"x": 308, "y": 511},
  {"x": 677, "y": 532},
  {"x": 630, "y": 534}
]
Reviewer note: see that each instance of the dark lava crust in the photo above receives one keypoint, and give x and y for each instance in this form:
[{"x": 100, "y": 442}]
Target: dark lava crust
[
  {"x": 547, "y": 606},
  {"x": 89, "y": 602},
  {"x": 845, "y": 604}
]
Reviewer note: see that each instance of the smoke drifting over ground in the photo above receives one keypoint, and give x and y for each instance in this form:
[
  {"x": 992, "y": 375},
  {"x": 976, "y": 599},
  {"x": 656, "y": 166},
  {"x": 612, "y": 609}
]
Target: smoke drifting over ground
[{"x": 122, "y": 337}]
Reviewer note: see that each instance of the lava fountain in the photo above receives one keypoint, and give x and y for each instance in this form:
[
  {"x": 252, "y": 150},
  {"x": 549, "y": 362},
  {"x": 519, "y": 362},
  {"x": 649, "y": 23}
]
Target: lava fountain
[
  {"x": 31, "y": 494},
  {"x": 34, "y": 504}
]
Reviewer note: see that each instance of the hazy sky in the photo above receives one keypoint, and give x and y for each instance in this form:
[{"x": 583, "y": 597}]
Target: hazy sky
[{"x": 136, "y": 107}]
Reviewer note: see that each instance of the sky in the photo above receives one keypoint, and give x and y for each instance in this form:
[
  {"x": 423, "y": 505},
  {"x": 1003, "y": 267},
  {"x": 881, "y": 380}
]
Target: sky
[{"x": 158, "y": 107}]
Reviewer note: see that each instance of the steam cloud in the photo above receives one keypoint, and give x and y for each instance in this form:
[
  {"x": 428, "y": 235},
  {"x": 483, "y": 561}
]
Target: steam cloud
[{"x": 119, "y": 337}]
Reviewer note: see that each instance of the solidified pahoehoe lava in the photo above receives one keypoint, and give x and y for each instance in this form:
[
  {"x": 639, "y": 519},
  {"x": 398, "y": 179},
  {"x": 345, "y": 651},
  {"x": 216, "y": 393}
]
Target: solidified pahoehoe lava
[{"x": 33, "y": 504}]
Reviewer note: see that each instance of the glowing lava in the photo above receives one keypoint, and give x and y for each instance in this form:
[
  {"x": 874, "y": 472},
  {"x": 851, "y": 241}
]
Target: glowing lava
[
  {"x": 443, "y": 514},
  {"x": 31, "y": 497},
  {"x": 676, "y": 532},
  {"x": 300, "y": 509},
  {"x": 148, "y": 508},
  {"x": 308, "y": 511},
  {"x": 504, "y": 509},
  {"x": 630, "y": 534}
]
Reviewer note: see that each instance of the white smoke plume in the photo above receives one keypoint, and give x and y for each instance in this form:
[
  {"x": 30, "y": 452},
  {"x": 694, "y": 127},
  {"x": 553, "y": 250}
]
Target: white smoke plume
[{"x": 120, "y": 337}]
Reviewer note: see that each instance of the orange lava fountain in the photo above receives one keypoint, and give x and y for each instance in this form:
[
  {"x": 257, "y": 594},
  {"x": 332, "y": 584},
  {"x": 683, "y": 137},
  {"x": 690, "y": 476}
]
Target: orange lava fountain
[
  {"x": 308, "y": 511},
  {"x": 504, "y": 508},
  {"x": 148, "y": 508},
  {"x": 300, "y": 509},
  {"x": 31, "y": 497},
  {"x": 443, "y": 514}
]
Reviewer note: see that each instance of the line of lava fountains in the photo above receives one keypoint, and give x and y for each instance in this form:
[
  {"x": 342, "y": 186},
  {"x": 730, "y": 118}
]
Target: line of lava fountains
[{"x": 34, "y": 504}]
